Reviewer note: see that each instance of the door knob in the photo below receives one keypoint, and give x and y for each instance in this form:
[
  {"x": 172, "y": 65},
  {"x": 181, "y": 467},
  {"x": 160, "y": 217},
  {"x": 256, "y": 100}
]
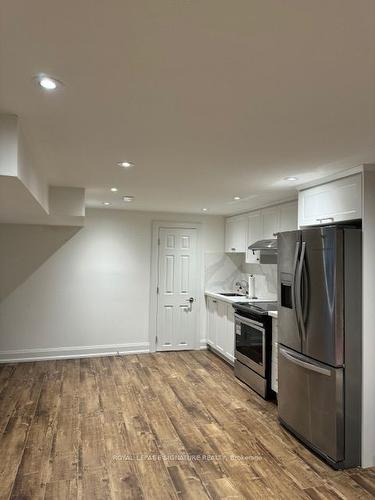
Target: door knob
[{"x": 191, "y": 300}]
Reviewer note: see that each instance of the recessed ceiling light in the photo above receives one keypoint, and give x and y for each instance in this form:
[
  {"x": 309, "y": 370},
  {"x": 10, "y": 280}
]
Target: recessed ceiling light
[
  {"x": 114, "y": 189},
  {"x": 125, "y": 164},
  {"x": 236, "y": 198},
  {"x": 106, "y": 203},
  {"x": 291, "y": 178},
  {"x": 128, "y": 198},
  {"x": 204, "y": 209},
  {"x": 47, "y": 82}
]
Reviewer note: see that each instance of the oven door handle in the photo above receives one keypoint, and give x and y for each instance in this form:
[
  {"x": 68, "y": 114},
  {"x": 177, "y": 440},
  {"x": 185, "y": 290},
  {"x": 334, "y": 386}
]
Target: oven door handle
[{"x": 250, "y": 322}]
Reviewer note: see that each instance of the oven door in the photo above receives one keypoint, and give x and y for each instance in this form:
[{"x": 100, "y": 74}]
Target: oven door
[{"x": 250, "y": 344}]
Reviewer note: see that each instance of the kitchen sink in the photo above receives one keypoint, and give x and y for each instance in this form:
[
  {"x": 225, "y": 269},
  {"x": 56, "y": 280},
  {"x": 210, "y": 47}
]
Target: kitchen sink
[{"x": 231, "y": 294}]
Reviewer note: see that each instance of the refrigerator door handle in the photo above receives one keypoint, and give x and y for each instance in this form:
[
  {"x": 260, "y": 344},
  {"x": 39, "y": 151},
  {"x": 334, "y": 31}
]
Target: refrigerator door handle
[
  {"x": 299, "y": 291},
  {"x": 305, "y": 293},
  {"x": 294, "y": 301},
  {"x": 295, "y": 262},
  {"x": 304, "y": 364}
]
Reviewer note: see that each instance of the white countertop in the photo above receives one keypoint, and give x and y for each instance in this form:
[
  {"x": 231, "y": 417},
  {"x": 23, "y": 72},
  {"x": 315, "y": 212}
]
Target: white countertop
[
  {"x": 238, "y": 298},
  {"x": 231, "y": 300}
]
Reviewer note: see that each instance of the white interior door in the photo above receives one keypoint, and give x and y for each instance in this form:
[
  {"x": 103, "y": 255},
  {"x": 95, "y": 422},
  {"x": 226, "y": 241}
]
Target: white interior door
[{"x": 177, "y": 286}]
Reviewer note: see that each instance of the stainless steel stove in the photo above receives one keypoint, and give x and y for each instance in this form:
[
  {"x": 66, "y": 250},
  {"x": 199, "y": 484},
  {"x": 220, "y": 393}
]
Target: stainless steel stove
[
  {"x": 253, "y": 345},
  {"x": 256, "y": 307}
]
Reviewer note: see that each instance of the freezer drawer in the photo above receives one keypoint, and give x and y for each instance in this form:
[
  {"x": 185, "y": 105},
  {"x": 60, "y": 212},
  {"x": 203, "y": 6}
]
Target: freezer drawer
[{"x": 311, "y": 402}]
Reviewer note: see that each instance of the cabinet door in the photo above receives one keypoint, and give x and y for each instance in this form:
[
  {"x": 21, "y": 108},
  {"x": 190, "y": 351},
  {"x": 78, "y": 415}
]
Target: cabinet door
[
  {"x": 211, "y": 321},
  {"x": 289, "y": 217},
  {"x": 229, "y": 336},
  {"x": 335, "y": 201},
  {"x": 221, "y": 324},
  {"x": 271, "y": 222},
  {"x": 274, "y": 376},
  {"x": 236, "y": 234},
  {"x": 254, "y": 233}
]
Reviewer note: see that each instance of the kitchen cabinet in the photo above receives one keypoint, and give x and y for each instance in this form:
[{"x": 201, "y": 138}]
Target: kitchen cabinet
[
  {"x": 221, "y": 324},
  {"x": 335, "y": 201},
  {"x": 241, "y": 231},
  {"x": 265, "y": 224},
  {"x": 271, "y": 222},
  {"x": 211, "y": 320},
  {"x": 228, "y": 344},
  {"x": 220, "y": 328},
  {"x": 254, "y": 233},
  {"x": 236, "y": 234},
  {"x": 288, "y": 217}
]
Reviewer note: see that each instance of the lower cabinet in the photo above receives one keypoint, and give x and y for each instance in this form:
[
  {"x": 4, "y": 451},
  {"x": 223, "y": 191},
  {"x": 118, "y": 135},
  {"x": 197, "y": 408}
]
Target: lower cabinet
[
  {"x": 211, "y": 321},
  {"x": 220, "y": 327}
]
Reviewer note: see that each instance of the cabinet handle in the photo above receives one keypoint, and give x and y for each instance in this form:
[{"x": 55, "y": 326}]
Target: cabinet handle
[
  {"x": 233, "y": 249},
  {"x": 326, "y": 218}
]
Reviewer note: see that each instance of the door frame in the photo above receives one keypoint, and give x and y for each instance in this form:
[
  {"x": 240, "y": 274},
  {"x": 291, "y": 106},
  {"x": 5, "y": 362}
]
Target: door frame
[{"x": 156, "y": 226}]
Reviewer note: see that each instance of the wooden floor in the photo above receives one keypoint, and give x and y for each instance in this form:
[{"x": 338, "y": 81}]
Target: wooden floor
[{"x": 152, "y": 426}]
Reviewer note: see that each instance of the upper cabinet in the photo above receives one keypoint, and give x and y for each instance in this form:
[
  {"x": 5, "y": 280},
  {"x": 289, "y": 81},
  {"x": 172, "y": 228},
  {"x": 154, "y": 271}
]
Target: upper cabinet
[
  {"x": 334, "y": 201},
  {"x": 254, "y": 233},
  {"x": 271, "y": 222},
  {"x": 242, "y": 231},
  {"x": 236, "y": 234},
  {"x": 288, "y": 217}
]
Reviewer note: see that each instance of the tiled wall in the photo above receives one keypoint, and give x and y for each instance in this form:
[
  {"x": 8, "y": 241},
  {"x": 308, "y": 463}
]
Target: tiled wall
[
  {"x": 223, "y": 270},
  {"x": 265, "y": 279}
]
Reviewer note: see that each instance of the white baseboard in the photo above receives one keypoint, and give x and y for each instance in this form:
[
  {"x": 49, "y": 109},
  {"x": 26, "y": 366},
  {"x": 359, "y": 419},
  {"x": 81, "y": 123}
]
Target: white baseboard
[
  {"x": 203, "y": 344},
  {"x": 23, "y": 355},
  {"x": 227, "y": 357}
]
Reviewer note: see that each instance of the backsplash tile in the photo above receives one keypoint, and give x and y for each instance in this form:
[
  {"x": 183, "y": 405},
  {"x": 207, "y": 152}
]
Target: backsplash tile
[
  {"x": 265, "y": 279},
  {"x": 223, "y": 270}
]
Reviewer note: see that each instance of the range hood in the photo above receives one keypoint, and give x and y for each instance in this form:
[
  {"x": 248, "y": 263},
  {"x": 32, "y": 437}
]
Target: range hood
[{"x": 270, "y": 245}]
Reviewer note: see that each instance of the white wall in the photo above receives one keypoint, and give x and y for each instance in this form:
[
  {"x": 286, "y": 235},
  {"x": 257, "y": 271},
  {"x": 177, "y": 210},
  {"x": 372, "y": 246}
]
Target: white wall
[
  {"x": 15, "y": 160},
  {"x": 29, "y": 176},
  {"x": 24, "y": 248},
  {"x": 8, "y": 145},
  {"x": 94, "y": 290},
  {"x": 368, "y": 327}
]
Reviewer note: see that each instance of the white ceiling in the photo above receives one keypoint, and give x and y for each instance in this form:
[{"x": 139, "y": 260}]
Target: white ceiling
[{"x": 209, "y": 98}]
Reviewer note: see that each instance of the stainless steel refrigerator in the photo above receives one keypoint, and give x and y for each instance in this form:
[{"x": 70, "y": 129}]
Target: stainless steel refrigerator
[{"x": 320, "y": 340}]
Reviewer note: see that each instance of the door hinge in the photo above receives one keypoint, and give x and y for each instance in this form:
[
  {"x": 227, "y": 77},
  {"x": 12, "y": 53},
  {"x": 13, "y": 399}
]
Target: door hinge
[
  {"x": 156, "y": 339},
  {"x": 157, "y": 290}
]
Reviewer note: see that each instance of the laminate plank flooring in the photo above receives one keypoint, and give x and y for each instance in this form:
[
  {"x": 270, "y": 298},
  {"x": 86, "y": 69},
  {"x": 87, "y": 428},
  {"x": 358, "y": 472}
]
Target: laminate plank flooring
[{"x": 152, "y": 426}]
